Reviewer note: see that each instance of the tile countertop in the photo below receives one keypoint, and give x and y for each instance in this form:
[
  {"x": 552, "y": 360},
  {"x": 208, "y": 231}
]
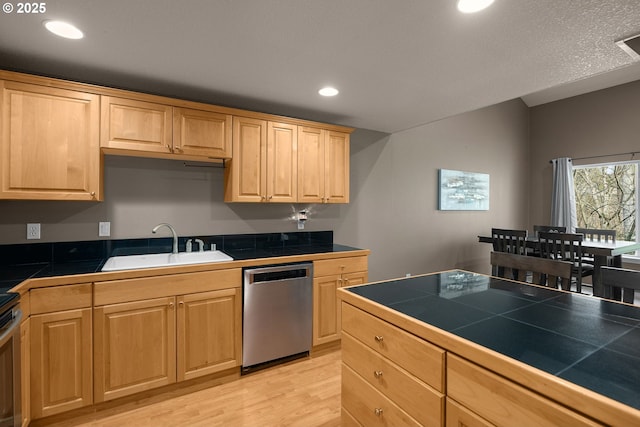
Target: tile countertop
[
  {"x": 12, "y": 275},
  {"x": 588, "y": 341}
]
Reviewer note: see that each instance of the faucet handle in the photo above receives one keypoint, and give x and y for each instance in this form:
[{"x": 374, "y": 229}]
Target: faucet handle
[{"x": 189, "y": 245}]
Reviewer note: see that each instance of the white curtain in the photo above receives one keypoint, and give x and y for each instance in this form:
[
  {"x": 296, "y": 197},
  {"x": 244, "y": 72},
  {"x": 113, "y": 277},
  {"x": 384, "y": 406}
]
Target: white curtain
[{"x": 563, "y": 197}]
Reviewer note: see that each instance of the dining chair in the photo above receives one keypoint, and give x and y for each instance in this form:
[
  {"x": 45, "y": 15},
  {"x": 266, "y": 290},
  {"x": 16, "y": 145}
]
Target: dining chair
[
  {"x": 547, "y": 272},
  {"x": 566, "y": 247},
  {"x": 508, "y": 240},
  {"x": 596, "y": 235},
  {"x": 628, "y": 280}
]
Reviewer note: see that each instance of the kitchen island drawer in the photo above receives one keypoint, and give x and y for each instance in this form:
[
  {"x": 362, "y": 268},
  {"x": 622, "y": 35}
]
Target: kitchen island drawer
[
  {"x": 420, "y": 358},
  {"x": 416, "y": 398},
  {"x": 503, "y": 402},
  {"x": 369, "y": 406}
]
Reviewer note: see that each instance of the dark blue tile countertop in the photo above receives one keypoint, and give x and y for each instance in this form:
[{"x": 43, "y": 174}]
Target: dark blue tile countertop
[
  {"x": 589, "y": 341},
  {"x": 37, "y": 260}
]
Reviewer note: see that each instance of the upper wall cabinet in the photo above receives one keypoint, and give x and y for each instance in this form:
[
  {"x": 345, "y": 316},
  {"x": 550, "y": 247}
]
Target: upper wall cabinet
[
  {"x": 264, "y": 164},
  {"x": 323, "y": 166},
  {"x": 50, "y": 143},
  {"x": 143, "y": 128}
]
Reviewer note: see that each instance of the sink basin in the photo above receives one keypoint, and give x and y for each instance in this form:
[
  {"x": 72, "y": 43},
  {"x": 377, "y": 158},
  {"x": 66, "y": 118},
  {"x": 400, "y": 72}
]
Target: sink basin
[{"x": 130, "y": 262}]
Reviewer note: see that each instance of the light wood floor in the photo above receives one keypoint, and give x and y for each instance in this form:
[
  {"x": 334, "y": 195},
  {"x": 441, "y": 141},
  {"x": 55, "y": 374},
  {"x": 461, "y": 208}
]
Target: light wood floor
[{"x": 302, "y": 393}]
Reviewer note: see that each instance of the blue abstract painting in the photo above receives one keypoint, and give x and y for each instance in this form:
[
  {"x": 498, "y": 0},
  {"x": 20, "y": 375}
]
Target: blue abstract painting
[{"x": 463, "y": 191}]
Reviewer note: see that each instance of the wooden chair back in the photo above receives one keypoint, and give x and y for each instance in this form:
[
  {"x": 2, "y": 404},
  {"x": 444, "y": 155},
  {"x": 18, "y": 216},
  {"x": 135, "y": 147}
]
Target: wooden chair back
[
  {"x": 628, "y": 280},
  {"x": 565, "y": 247},
  {"x": 597, "y": 235},
  {"x": 543, "y": 271},
  {"x": 510, "y": 241},
  {"x": 537, "y": 229}
]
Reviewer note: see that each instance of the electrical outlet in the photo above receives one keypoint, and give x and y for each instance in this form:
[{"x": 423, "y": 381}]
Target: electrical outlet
[
  {"x": 33, "y": 231},
  {"x": 104, "y": 229}
]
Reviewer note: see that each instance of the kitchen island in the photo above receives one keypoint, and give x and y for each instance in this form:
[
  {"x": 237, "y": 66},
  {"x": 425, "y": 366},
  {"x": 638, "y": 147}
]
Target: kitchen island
[{"x": 460, "y": 348}]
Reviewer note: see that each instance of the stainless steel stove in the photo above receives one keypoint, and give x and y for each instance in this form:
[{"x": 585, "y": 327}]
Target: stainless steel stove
[{"x": 10, "y": 317}]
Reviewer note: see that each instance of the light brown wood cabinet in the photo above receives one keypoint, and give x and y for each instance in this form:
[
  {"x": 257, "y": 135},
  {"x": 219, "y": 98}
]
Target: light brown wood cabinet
[
  {"x": 61, "y": 374},
  {"x": 61, "y": 367},
  {"x": 209, "y": 332},
  {"x": 323, "y": 166},
  {"x": 264, "y": 167},
  {"x": 503, "y": 402},
  {"x": 130, "y": 126},
  {"x": 134, "y": 347},
  {"x": 50, "y": 146},
  {"x": 328, "y": 276},
  {"x": 159, "y": 337},
  {"x": 406, "y": 371}
]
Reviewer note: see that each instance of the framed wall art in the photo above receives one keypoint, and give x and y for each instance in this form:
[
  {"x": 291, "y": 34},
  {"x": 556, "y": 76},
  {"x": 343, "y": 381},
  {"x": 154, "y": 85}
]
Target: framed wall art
[{"x": 463, "y": 191}]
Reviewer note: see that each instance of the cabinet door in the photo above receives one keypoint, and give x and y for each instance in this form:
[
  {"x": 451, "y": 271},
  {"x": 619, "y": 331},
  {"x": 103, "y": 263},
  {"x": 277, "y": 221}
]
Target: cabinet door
[
  {"x": 50, "y": 143},
  {"x": 201, "y": 133},
  {"x": 61, "y": 368},
  {"x": 135, "y": 125},
  {"x": 134, "y": 347},
  {"x": 209, "y": 332},
  {"x": 246, "y": 174},
  {"x": 311, "y": 159},
  {"x": 326, "y": 316},
  {"x": 282, "y": 162},
  {"x": 336, "y": 164},
  {"x": 353, "y": 279}
]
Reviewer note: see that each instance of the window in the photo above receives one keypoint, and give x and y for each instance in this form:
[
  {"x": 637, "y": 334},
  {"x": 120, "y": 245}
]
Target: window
[{"x": 606, "y": 197}]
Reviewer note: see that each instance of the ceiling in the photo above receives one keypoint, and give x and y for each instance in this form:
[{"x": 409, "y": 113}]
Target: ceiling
[{"x": 397, "y": 63}]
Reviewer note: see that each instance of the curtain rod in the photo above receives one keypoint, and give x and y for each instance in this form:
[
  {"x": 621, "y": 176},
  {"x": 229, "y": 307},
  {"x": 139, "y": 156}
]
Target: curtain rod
[{"x": 632, "y": 153}]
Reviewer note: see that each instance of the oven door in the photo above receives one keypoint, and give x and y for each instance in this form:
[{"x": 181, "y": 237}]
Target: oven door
[{"x": 10, "y": 413}]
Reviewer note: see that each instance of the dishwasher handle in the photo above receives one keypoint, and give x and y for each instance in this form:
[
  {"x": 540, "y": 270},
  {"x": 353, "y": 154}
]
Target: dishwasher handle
[{"x": 278, "y": 273}]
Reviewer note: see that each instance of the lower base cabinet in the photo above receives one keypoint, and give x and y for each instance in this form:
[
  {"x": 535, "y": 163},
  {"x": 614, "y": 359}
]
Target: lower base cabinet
[
  {"x": 61, "y": 366},
  {"x": 134, "y": 347},
  {"x": 153, "y": 342},
  {"x": 328, "y": 276},
  {"x": 209, "y": 325}
]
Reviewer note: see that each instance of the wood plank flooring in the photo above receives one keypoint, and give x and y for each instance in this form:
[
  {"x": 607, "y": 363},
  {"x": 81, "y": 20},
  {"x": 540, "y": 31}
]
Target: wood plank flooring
[{"x": 303, "y": 393}]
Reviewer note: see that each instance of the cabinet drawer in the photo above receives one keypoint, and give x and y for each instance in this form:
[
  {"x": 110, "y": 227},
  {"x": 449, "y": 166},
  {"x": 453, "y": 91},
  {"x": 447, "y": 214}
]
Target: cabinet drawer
[
  {"x": 503, "y": 402},
  {"x": 368, "y": 406},
  {"x": 412, "y": 395},
  {"x": 328, "y": 267},
  {"x": 420, "y": 358},
  {"x": 60, "y": 298},
  {"x": 126, "y": 290}
]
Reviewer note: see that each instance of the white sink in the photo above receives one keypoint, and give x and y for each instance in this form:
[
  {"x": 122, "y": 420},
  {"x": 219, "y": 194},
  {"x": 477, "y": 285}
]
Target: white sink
[{"x": 131, "y": 262}]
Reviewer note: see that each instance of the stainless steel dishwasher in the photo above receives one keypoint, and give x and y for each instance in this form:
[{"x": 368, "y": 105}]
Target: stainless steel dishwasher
[{"x": 277, "y": 313}]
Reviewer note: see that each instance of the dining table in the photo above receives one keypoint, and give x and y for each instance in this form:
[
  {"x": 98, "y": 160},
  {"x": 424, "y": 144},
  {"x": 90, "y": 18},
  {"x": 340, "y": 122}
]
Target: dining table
[{"x": 604, "y": 254}]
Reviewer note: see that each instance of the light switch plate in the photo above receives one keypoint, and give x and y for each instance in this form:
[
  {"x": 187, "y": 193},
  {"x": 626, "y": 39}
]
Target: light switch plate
[
  {"x": 104, "y": 229},
  {"x": 33, "y": 231}
]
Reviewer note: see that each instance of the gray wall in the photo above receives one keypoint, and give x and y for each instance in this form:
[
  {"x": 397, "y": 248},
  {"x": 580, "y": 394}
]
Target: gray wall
[
  {"x": 393, "y": 209},
  {"x": 598, "y": 123}
]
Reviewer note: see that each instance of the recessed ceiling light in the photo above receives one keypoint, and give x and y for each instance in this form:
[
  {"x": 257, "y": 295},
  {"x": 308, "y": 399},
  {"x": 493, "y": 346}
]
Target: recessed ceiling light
[
  {"x": 470, "y": 6},
  {"x": 63, "y": 29},
  {"x": 328, "y": 91}
]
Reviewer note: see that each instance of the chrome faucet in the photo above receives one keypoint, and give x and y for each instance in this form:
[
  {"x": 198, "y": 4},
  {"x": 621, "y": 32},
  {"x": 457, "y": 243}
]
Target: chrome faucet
[{"x": 175, "y": 236}]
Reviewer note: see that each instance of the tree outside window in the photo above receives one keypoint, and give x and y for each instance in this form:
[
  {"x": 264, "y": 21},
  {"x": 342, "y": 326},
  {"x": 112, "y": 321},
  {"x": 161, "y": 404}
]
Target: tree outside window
[{"x": 606, "y": 197}]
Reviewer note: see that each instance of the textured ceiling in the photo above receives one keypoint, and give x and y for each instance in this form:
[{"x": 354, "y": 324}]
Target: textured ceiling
[{"x": 398, "y": 64}]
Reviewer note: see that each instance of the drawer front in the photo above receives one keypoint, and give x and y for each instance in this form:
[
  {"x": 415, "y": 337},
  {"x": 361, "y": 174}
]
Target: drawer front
[
  {"x": 412, "y": 395},
  {"x": 368, "y": 406},
  {"x": 60, "y": 298},
  {"x": 420, "y": 358},
  {"x": 127, "y": 290},
  {"x": 503, "y": 402},
  {"x": 328, "y": 267}
]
